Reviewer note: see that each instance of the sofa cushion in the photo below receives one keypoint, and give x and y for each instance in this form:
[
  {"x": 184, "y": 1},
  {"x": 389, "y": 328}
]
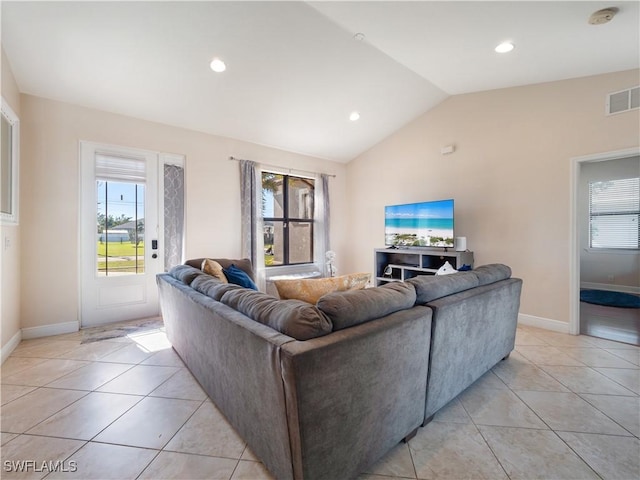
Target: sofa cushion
[
  {"x": 431, "y": 287},
  {"x": 311, "y": 289},
  {"x": 346, "y": 309},
  {"x": 491, "y": 273},
  {"x": 212, "y": 287},
  {"x": 294, "y": 318},
  {"x": 213, "y": 268},
  {"x": 185, "y": 273},
  {"x": 239, "y": 277}
]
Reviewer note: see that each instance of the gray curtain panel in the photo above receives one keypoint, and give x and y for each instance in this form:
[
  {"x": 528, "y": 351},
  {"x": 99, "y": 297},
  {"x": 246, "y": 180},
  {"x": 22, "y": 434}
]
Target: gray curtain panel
[
  {"x": 249, "y": 205},
  {"x": 173, "y": 215},
  {"x": 325, "y": 204}
]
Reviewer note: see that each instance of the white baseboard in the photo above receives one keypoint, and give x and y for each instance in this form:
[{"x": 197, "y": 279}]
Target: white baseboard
[
  {"x": 610, "y": 288},
  {"x": 546, "y": 323},
  {"x": 49, "y": 330},
  {"x": 10, "y": 346}
]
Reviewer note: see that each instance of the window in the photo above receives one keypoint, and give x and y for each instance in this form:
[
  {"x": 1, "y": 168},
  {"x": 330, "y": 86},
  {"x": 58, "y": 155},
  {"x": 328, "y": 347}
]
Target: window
[
  {"x": 10, "y": 142},
  {"x": 288, "y": 215},
  {"x": 614, "y": 214}
]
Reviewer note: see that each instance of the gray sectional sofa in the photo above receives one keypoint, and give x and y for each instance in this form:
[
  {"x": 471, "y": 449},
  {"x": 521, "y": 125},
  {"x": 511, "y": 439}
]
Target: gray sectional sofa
[{"x": 323, "y": 391}]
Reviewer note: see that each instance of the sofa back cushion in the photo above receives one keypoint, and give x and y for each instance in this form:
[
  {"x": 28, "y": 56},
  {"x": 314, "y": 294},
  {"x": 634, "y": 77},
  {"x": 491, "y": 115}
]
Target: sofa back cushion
[
  {"x": 294, "y": 318},
  {"x": 491, "y": 273},
  {"x": 185, "y": 273},
  {"x": 431, "y": 287},
  {"x": 346, "y": 309},
  {"x": 212, "y": 287}
]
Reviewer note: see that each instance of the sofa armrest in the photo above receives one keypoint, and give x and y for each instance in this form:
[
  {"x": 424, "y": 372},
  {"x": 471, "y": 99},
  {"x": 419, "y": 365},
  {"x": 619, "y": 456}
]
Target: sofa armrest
[
  {"x": 352, "y": 395},
  {"x": 237, "y": 362},
  {"x": 471, "y": 332}
]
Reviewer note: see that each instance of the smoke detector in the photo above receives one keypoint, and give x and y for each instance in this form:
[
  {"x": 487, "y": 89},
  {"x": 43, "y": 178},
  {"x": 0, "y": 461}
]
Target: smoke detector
[{"x": 602, "y": 16}]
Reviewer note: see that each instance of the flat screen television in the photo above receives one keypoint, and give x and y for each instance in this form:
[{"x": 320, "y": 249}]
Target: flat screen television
[{"x": 424, "y": 224}]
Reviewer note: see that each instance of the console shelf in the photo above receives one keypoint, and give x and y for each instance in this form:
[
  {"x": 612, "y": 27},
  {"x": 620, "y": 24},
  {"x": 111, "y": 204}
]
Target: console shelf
[{"x": 412, "y": 262}]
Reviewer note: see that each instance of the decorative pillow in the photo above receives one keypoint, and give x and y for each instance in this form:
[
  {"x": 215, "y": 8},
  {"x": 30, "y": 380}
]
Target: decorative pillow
[
  {"x": 346, "y": 309},
  {"x": 214, "y": 269},
  {"x": 446, "y": 269},
  {"x": 239, "y": 277},
  {"x": 311, "y": 289},
  {"x": 292, "y": 317},
  {"x": 185, "y": 273}
]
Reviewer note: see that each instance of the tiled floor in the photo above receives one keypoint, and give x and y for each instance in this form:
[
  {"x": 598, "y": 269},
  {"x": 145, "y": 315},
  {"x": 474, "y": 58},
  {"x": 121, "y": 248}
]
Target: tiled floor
[{"x": 561, "y": 407}]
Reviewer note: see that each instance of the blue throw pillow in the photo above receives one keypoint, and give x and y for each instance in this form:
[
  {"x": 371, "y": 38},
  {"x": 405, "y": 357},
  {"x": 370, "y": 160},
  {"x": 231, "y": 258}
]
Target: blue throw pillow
[{"x": 239, "y": 277}]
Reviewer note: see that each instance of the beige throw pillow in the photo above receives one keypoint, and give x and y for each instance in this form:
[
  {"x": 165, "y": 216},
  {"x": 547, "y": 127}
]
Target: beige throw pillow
[
  {"x": 214, "y": 269},
  {"x": 311, "y": 289}
]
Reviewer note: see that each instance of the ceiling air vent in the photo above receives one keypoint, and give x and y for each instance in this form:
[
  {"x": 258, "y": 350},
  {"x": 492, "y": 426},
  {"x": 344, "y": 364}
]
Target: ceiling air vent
[{"x": 625, "y": 100}]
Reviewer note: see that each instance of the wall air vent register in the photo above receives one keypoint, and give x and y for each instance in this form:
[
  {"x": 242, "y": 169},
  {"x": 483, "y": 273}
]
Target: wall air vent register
[{"x": 623, "y": 101}]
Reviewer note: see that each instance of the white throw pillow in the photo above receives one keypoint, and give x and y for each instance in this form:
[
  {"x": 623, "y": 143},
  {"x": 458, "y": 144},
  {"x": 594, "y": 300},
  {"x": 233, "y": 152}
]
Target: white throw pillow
[{"x": 446, "y": 269}]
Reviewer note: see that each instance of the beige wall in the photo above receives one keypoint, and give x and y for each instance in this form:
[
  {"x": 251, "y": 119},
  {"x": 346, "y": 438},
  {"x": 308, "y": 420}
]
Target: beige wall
[
  {"x": 616, "y": 269},
  {"x": 50, "y": 173},
  {"x": 509, "y": 176},
  {"x": 10, "y": 235}
]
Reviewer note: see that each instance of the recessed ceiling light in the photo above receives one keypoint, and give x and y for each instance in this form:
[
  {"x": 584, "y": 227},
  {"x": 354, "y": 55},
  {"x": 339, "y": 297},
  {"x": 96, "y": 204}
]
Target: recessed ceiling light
[
  {"x": 359, "y": 37},
  {"x": 505, "y": 47},
  {"x": 354, "y": 116},
  {"x": 218, "y": 65}
]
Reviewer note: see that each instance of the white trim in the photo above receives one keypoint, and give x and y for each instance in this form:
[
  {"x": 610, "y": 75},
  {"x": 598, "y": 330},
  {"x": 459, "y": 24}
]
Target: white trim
[
  {"x": 8, "y": 113},
  {"x": 546, "y": 323},
  {"x": 574, "y": 238},
  {"x": 91, "y": 285},
  {"x": 610, "y": 287},
  {"x": 10, "y": 346},
  {"x": 50, "y": 330}
]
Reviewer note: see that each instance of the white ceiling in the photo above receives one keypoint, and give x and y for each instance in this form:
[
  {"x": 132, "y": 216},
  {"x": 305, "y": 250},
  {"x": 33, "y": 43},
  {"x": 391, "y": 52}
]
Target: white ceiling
[{"x": 294, "y": 71}]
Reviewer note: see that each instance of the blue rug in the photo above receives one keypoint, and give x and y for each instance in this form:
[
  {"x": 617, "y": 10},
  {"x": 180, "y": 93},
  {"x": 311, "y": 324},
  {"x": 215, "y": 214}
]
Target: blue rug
[{"x": 610, "y": 299}]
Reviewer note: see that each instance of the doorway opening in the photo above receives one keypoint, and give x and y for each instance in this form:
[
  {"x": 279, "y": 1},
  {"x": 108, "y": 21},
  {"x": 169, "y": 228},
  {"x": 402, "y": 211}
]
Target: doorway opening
[{"x": 605, "y": 268}]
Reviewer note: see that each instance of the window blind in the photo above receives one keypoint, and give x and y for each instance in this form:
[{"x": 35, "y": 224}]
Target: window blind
[
  {"x": 614, "y": 213},
  {"x": 110, "y": 167}
]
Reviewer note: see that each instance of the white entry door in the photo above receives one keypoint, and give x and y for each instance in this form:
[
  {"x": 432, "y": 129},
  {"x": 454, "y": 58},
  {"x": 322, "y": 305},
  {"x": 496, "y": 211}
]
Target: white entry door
[{"x": 120, "y": 248}]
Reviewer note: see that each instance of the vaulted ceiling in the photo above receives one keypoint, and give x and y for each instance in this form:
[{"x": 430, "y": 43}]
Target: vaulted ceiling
[{"x": 296, "y": 70}]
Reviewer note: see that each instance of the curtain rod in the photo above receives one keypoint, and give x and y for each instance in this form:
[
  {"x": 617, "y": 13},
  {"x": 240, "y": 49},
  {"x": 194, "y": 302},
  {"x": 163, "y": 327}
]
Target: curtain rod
[{"x": 288, "y": 170}]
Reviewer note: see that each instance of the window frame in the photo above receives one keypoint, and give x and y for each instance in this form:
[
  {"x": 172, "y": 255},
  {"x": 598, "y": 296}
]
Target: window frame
[
  {"x": 286, "y": 220},
  {"x": 11, "y": 217}
]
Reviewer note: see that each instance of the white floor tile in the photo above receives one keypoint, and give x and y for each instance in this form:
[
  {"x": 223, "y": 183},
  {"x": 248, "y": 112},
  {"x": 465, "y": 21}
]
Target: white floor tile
[
  {"x": 151, "y": 423},
  {"x": 139, "y": 380}
]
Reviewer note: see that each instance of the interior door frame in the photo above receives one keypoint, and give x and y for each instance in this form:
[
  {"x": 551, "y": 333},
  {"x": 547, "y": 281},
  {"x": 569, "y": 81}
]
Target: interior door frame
[{"x": 574, "y": 235}]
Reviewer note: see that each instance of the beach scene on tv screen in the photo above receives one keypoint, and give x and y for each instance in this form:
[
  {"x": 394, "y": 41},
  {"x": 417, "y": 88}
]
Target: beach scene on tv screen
[{"x": 428, "y": 224}]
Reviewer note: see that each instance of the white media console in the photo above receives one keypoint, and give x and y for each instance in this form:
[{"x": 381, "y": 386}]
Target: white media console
[{"x": 405, "y": 263}]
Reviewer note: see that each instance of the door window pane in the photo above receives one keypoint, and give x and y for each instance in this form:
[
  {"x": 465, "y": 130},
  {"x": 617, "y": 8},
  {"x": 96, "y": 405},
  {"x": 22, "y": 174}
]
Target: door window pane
[{"x": 120, "y": 228}]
